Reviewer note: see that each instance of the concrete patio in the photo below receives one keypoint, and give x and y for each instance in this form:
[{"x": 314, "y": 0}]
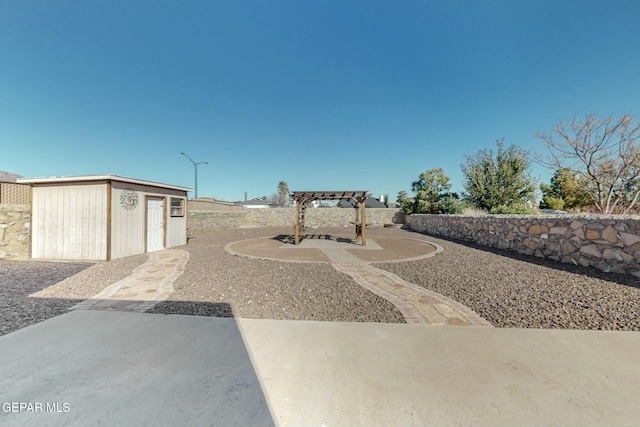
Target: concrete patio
[{"x": 132, "y": 369}]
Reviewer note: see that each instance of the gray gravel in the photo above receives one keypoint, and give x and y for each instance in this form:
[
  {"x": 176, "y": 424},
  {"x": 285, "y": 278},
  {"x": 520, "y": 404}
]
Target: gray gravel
[
  {"x": 511, "y": 290},
  {"x": 18, "y": 280},
  {"x": 507, "y": 289},
  {"x": 33, "y": 291}
]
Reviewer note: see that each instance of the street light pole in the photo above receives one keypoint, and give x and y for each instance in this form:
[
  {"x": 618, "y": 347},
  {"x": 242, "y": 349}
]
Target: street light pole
[{"x": 195, "y": 169}]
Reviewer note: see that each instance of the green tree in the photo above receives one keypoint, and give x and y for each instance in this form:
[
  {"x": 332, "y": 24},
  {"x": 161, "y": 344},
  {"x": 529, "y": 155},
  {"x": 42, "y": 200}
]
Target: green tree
[
  {"x": 402, "y": 196},
  {"x": 283, "y": 193},
  {"x": 564, "y": 193},
  {"x": 405, "y": 202},
  {"x": 431, "y": 189},
  {"x": 500, "y": 180}
]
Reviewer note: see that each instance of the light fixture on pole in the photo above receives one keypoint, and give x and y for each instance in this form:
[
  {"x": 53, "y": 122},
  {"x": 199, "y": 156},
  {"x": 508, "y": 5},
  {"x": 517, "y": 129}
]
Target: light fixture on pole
[{"x": 195, "y": 167}]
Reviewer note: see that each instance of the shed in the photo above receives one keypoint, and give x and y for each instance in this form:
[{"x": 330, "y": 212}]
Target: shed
[{"x": 104, "y": 217}]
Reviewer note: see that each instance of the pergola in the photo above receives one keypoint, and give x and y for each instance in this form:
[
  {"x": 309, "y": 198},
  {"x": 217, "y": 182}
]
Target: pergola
[{"x": 302, "y": 200}]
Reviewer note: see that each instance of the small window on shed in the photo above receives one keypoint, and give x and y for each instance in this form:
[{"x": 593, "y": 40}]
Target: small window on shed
[{"x": 177, "y": 207}]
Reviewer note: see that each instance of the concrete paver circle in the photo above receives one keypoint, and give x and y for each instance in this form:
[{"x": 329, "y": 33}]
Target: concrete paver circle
[{"x": 334, "y": 249}]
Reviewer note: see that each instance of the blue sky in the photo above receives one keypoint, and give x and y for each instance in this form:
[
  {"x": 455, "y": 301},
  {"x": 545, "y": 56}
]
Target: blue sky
[{"x": 325, "y": 95}]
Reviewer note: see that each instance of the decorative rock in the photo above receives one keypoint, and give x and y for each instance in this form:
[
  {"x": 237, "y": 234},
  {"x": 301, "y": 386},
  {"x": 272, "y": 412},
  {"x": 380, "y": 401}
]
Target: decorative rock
[
  {"x": 575, "y": 225},
  {"x": 611, "y": 254},
  {"x": 591, "y": 250},
  {"x": 535, "y": 229},
  {"x": 14, "y": 232},
  {"x": 629, "y": 239},
  {"x": 592, "y": 234},
  {"x": 558, "y": 230},
  {"x": 610, "y": 235}
]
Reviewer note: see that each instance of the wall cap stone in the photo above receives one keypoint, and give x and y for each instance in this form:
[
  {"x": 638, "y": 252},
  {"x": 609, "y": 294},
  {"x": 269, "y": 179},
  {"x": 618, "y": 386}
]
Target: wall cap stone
[{"x": 617, "y": 217}]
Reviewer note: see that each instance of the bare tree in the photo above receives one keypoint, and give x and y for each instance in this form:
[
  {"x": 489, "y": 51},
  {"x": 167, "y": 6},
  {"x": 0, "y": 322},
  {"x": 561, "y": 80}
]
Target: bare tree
[
  {"x": 604, "y": 155},
  {"x": 273, "y": 199}
]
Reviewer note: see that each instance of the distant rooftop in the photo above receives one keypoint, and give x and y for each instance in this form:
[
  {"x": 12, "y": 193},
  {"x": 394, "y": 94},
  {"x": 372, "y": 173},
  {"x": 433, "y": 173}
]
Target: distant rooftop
[{"x": 9, "y": 177}]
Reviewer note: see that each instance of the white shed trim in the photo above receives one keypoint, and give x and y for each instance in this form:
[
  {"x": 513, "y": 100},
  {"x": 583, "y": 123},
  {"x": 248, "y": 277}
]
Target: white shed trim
[{"x": 105, "y": 177}]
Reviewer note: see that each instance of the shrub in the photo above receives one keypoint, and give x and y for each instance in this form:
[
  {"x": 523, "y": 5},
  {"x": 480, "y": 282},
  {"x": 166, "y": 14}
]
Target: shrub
[
  {"x": 513, "y": 209},
  {"x": 453, "y": 206}
]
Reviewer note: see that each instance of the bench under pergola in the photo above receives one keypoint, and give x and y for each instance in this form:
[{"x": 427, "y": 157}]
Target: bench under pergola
[{"x": 302, "y": 200}]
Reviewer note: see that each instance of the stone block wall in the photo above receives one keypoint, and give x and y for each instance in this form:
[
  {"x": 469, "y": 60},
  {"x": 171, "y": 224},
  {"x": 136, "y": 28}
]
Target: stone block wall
[
  {"x": 15, "y": 223},
  {"x": 609, "y": 243},
  {"x": 14, "y": 194},
  {"x": 285, "y": 217}
]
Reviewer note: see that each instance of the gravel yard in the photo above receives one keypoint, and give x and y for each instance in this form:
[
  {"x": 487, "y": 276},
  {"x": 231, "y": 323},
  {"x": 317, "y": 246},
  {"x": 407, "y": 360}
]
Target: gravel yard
[
  {"x": 511, "y": 290},
  {"x": 507, "y": 289},
  {"x": 263, "y": 289}
]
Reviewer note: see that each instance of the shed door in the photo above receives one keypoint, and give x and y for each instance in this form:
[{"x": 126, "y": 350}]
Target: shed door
[{"x": 155, "y": 226}]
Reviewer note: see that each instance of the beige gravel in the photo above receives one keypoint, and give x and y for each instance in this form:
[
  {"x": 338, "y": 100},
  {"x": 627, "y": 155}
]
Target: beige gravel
[
  {"x": 220, "y": 284},
  {"x": 93, "y": 280}
]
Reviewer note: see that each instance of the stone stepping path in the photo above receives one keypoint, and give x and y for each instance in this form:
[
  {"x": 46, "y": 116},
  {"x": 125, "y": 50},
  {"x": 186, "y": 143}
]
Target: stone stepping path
[
  {"x": 417, "y": 304},
  {"x": 148, "y": 284}
]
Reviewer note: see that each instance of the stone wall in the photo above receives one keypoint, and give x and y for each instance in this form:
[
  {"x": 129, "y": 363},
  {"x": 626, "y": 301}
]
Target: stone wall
[
  {"x": 285, "y": 217},
  {"x": 14, "y": 194},
  {"x": 609, "y": 243},
  {"x": 15, "y": 223}
]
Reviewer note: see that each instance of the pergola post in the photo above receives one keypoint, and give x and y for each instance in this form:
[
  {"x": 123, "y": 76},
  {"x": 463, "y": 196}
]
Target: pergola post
[
  {"x": 363, "y": 223},
  {"x": 297, "y": 222}
]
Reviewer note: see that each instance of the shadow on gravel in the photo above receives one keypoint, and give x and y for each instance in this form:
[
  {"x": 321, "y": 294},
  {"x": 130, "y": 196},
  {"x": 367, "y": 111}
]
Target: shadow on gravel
[
  {"x": 290, "y": 238},
  {"x": 193, "y": 308},
  {"x": 621, "y": 279},
  {"x": 285, "y": 238},
  {"x": 20, "y": 279},
  {"x": 30, "y": 276}
]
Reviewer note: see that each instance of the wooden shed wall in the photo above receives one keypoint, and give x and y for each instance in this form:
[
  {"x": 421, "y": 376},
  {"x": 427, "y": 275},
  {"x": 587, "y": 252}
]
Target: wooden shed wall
[
  {"x": 176, "y": 229},
  {"x": 69, "y": 222},
  {"x": 128, "y": 225},
  {"x": 127, "y": 222}
]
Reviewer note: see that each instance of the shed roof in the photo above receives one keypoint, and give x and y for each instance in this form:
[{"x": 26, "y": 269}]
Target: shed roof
[{"x": 90, "y": 178}]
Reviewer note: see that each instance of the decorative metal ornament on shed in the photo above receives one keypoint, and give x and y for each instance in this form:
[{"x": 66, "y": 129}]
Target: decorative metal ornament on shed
[{"x": 129, "y": 199}]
